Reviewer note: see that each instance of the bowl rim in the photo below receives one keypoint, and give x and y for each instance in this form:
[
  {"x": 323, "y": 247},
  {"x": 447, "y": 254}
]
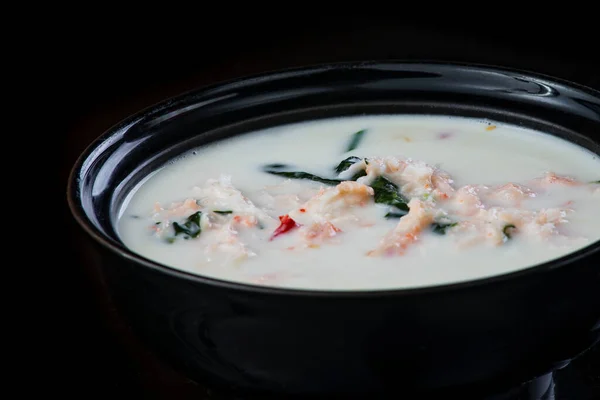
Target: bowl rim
[{"x": 72, "y": 192}]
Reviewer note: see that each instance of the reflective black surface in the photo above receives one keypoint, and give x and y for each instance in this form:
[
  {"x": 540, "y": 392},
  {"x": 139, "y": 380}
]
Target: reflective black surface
[
  {"x": 458, "y": 339},
  {"x": 577, "y": 380}
]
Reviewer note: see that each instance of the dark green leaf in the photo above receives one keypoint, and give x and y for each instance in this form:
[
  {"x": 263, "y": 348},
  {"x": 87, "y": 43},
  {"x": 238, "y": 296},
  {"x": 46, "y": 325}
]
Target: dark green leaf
[
  {"x": 170, "y": 239},
  {"x": 394, "y": 214},
  {"x": 356, "y": 139},
  {"x": 223, "y": 212},
  {"x": 596, "y": 182},
  {"x": 302, "y": 175},
  {"x": 388, "y": 193},
  {"x": 347, "y": 163},
  {"x": 276, "y": 166},
  {"x": 359, "y": 174},
  {"x": 191, "y": 227},
  {"x": 507, "y": 230},
  {"x": 441, "y": 227},
  {"x": 157, "y": 223}
]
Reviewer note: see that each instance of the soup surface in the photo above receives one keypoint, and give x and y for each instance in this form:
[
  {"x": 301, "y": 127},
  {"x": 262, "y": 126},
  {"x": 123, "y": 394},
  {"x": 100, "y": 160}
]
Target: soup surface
[{"x": 369, "y": 202}]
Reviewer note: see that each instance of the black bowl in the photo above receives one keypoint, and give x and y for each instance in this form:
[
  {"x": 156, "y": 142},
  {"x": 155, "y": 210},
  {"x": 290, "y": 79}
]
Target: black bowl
[{"x": 500, "y": 330}]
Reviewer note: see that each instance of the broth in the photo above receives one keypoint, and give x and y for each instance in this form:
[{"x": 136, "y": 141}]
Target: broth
[{"x": 418, "y": 201}]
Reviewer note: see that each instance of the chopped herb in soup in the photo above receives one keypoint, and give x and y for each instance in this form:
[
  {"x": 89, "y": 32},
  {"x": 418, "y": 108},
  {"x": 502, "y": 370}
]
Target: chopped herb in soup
[{"x": 356, "y": 139}]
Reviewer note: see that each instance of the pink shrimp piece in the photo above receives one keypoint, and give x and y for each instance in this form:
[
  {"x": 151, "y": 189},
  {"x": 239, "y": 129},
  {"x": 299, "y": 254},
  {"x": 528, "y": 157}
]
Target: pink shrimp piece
[
  {"x": 470, "y": 233},
  {"x": 442, "y": 185},
  {"x": 321, "y": 231},
  {"x": 331, "y": 202},
  {"x": 226, "y": 243},
  {"x": 406, "y": 232},
  {"x": 182, "y": 208},
  {"x": 245, "y": 220},
  {"x": 354, "y": 193},
  {"x": 511, "y": 193},
  {"x": 467, "y": 200},
  {"x": 552, "y": 216},
  {"x": 551, "y": 178},
  {"x": 387, "y": 165}
]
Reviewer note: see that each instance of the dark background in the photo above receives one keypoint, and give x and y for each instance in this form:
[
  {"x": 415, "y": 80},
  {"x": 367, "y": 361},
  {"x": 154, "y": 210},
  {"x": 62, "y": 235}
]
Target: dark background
[{"x": 106, "y": 74}]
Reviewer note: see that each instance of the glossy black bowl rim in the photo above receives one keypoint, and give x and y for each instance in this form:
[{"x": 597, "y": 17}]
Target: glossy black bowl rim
[{"x": 78, "y": 214}]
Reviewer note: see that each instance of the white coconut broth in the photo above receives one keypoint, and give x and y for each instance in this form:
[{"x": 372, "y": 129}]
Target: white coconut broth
[{"x": 427, "y": 200}]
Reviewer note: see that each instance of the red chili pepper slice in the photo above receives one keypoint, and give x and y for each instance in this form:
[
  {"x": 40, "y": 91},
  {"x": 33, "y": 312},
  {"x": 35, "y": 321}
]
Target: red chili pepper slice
[{"x": 286, "y": 225}]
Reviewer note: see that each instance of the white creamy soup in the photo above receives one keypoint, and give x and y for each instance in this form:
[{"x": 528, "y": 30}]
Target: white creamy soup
[{"x": 369, "y": 202}]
